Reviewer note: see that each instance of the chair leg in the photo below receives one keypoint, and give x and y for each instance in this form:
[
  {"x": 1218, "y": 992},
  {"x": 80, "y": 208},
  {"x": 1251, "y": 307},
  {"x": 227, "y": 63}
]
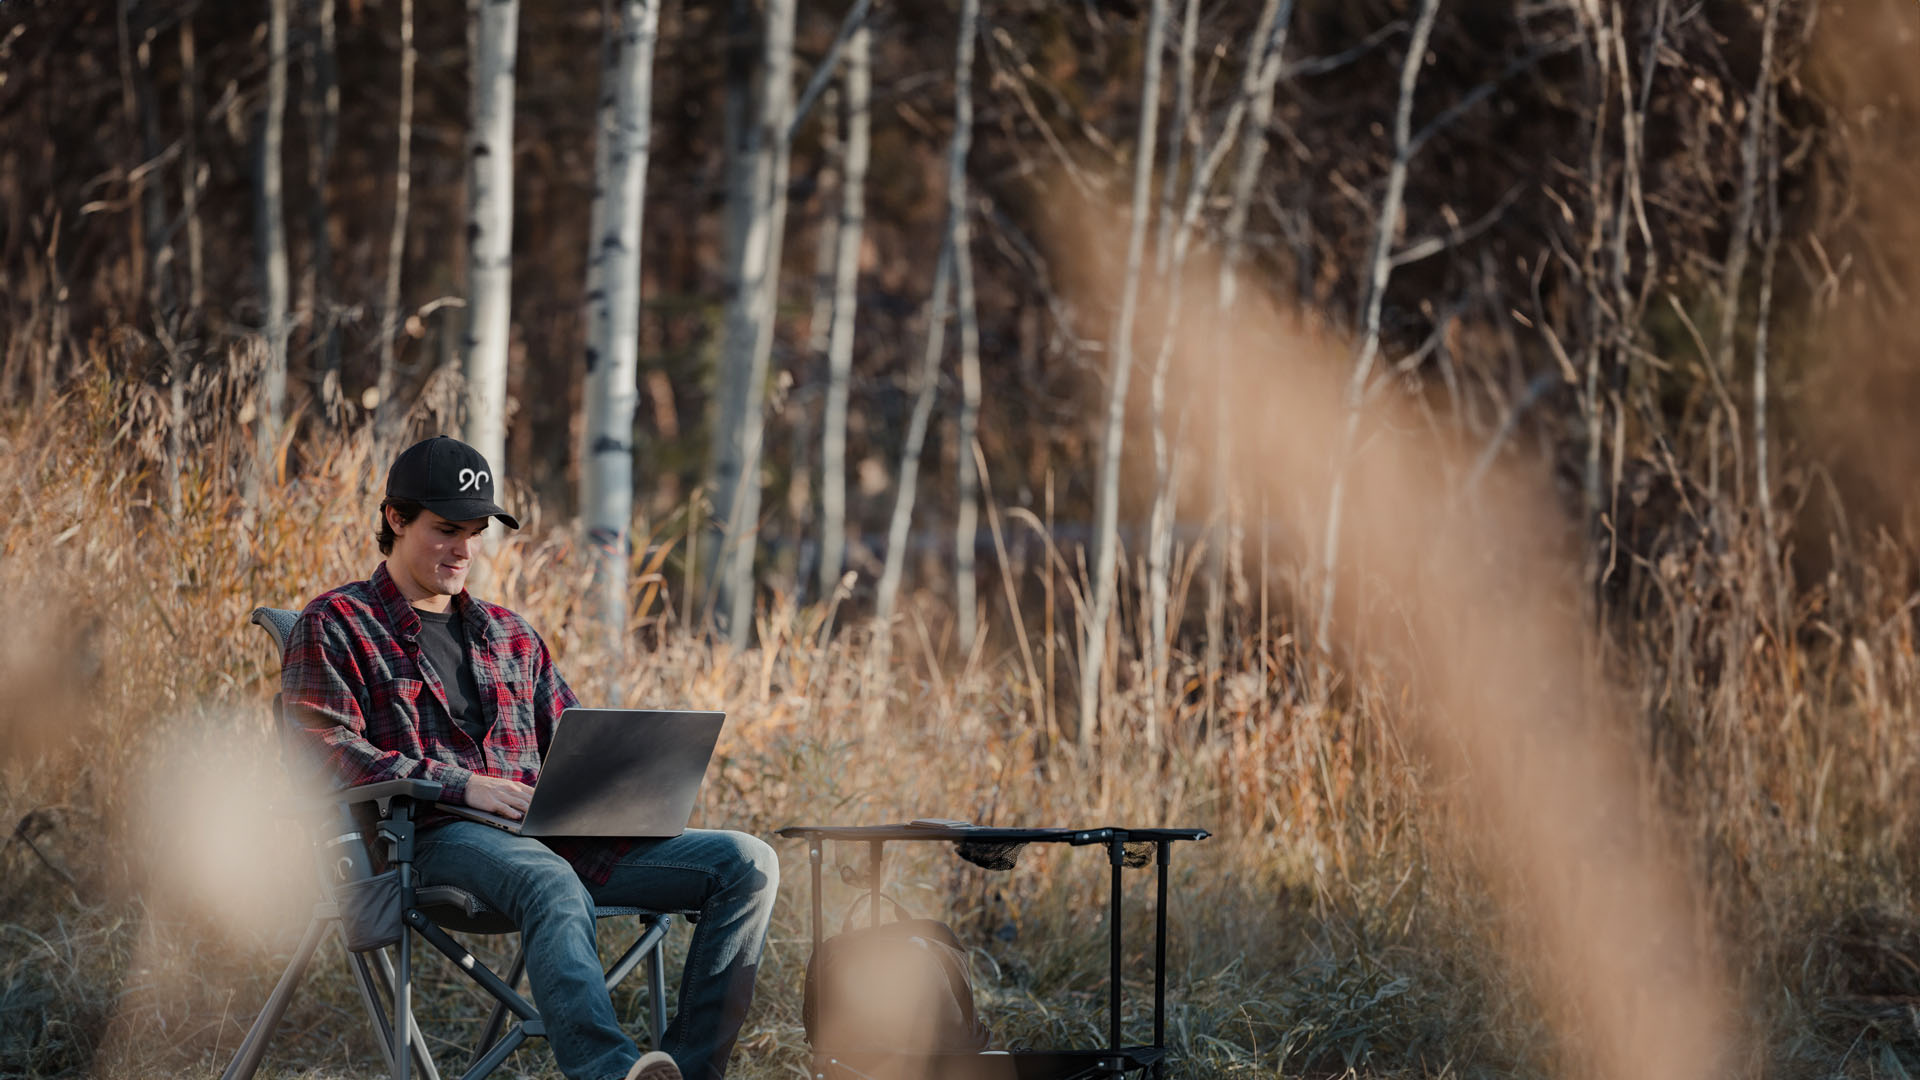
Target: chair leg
[
  {"x": 495, "y": 1055},
  {"x": 376, "y": 1005},
  {"x": 657, "y": 991},
  {"x": 649, "y": 945},
  {"x": 649, "y": 939},
  {"x": 498, "y": 1020},
  {"x": 417, "y": 1041},
  {"x": 254, "y": 1047},
  {"x": 403, "y": 994}
]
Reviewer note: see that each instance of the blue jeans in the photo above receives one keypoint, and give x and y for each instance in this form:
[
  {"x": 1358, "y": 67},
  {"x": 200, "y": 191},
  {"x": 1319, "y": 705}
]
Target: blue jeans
[{"x": 729, "y": 878}]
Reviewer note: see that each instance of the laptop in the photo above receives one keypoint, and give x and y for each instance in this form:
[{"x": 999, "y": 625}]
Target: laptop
[{"x": 615, "y": 772}]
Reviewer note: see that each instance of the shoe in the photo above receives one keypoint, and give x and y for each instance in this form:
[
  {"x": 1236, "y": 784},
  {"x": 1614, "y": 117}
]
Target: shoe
[{"x": 654, "y": 1065}]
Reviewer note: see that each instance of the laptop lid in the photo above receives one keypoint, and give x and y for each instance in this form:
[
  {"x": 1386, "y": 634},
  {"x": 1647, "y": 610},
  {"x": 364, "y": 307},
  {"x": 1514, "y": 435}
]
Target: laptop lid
[{"x": 622, "y": 772}]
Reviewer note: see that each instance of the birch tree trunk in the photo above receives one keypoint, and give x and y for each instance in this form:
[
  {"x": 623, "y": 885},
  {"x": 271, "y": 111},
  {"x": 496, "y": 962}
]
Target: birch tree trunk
[
  {"x": 1763, "y": 475},
  {"x": 1169, "y": 265},
  {"x": 271, "y": 229},
  {"x": 925, "y": 383},
  {"x": 1254, "y": 101},
  {"x": 1252, "y": 152},
  {"x": 137, "y": 209},
  {"x": 756, "y": 216},
  {"x": 1107, "y": 504},
  {"x": 743, "y": 204},
  {"x": 323, "y": 111},
  {"x": 1601, "y": 323},
  {"x": 846, "y": 294},
  {"x": 826, "y": 245},
  {"x": 193, "y": 175},
  {"x": 793, "y": 570},
  {"x": 153, "y": 189},
  {"x": 944, "y": 273},
  {"x": 397, "y": 235},
  {"x": 490, "y": 229},
  {"x": 1758, "y": 141},
  {"x": 613, "y": 353},
  {"x": 178, "y": 365},
  {"x": 1738, "y": 243},
  {"x": 966, "y": 515},
  {"x": 1177, "y": 134},
  {"x": 1380, "y": 269},
  {"x": 594, "y": 311}
]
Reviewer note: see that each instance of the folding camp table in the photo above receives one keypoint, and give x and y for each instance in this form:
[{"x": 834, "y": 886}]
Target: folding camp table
[{"x": 1113, "y": 1060}]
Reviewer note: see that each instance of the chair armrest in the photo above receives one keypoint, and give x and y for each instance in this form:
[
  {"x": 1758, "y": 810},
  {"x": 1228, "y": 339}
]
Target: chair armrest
[
  {"x": 386, "y": 791},
  {"x": 383, "y": 793}
]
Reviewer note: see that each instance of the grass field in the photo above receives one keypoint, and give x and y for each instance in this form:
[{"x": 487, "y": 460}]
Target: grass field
[{"x": 1338, "y": 922}]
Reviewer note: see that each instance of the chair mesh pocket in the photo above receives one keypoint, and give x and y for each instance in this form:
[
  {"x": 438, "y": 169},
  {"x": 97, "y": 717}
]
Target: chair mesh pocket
[{"x": 370, "y": 911}]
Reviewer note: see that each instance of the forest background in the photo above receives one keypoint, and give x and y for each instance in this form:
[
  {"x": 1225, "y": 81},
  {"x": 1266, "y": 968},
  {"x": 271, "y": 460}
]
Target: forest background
[{"x": 1364, "y": 429}]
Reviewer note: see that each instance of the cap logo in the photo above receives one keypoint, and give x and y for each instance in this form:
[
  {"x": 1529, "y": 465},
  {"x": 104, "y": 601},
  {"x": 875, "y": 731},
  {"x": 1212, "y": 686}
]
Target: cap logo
[{"x": 471, "y": 480}]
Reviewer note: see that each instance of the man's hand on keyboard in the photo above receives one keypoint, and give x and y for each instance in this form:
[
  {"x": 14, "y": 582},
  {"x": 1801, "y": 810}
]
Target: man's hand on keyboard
[{"x": 508, "y": 798}]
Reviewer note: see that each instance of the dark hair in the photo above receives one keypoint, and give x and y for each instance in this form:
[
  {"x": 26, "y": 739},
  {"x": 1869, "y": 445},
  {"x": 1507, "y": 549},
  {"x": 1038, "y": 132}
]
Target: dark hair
[{"x": 407, "y": 509}]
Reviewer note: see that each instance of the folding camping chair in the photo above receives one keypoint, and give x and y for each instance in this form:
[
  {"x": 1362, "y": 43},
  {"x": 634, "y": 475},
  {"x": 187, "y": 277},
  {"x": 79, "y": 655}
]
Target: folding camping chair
[{"x": 376, "y": 910}]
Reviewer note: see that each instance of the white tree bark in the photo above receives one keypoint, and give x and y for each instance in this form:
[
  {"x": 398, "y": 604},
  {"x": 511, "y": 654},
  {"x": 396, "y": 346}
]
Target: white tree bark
[
  {"x": 1264, "y": 74},
  {"x": 846, "y": 294},
  {"x": 490, "y": 229},
  {"x": 1763, "y": 473},
  {"x": 1763, "y": 479},
  {"x": 613, "y": 351},
  {"x": 192, "y": 173},
  {"x": 756, "y": 216},
  {"x": 845, "y": 302},
  {"x": 966, "y": 515},
  {"x": 929, "y": 380},
  {"x": 966, "y": 519},
  {"x": 158, "y": 235},
  {"x": 179, "y": 366},
  {"x": 827, "y": 233},
  {"x": 273, "y": 234},
  {"x": 798, "y": 404},
  {"x": 925, "y": 384},
  {"x": 594, "y": 311},
  {"x": 135, "y": 105},
  {"x": 1177, "y": 134},
  {"x": 397, "y": 234},
  {"x": 1738, "y": 243},
  {"x": 322, "y": 112},
  {"x": 1254, "y": 103},
  {"x": 1380, "y": 269},
  {"x": 1160, "y": 522},
  {"x": 1106, "y": 540}
]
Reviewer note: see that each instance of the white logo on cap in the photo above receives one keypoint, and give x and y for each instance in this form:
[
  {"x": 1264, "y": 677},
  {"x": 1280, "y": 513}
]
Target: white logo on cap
[{"x": 471, "y": 480}]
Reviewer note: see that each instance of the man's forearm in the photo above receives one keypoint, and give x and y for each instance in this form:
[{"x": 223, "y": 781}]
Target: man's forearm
[{"x": 356, "y": 761}]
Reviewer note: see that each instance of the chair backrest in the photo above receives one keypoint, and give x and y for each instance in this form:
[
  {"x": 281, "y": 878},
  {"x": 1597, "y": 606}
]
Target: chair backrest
[
  {"x": 343, "y": 825},
  {"x": 277, "y": 622}
]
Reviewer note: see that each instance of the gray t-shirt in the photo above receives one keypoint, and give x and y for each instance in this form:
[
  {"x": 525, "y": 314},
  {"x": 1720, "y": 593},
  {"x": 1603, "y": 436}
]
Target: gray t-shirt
[{"x": 443, "y": 638}]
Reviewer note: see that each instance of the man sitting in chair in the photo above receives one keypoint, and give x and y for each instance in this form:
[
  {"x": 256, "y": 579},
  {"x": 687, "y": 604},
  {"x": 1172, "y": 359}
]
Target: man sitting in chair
[{"x": 405, "y": 675}]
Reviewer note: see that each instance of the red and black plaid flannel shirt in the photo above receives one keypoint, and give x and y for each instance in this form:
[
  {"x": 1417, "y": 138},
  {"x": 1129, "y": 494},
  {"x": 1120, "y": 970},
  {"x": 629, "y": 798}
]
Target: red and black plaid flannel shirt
[{"x": 356, "y": 691}]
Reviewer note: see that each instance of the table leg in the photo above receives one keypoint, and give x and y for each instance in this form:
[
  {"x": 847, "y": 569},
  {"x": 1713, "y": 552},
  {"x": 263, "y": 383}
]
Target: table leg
[
  {"x": 814, "y": 844},
  {"x": 874, "y": 848},
  {"x": 1161, "y": 858},
  {"x": 1116, "y": 854}
]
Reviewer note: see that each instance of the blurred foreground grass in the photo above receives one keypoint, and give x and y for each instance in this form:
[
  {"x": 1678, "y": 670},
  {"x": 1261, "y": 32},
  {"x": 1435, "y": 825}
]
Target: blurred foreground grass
[{"x": 148, "y": 898}]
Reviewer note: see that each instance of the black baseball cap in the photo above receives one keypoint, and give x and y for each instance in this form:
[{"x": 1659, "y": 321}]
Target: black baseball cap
[{"x": 447, "y": 477}]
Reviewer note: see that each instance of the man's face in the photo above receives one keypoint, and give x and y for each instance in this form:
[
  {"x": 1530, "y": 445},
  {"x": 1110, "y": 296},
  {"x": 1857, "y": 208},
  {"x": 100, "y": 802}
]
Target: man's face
[{"x": 432, "y": 553}]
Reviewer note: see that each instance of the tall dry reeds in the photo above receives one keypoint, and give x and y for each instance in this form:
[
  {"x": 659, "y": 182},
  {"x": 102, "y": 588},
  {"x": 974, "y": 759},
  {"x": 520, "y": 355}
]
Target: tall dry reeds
[
  {"x": 140, "y": 768},
  {"x": 1337, "y": 921}
]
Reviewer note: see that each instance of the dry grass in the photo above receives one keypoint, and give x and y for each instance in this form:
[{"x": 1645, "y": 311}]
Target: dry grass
[{"x": 1332, "y": 925}]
